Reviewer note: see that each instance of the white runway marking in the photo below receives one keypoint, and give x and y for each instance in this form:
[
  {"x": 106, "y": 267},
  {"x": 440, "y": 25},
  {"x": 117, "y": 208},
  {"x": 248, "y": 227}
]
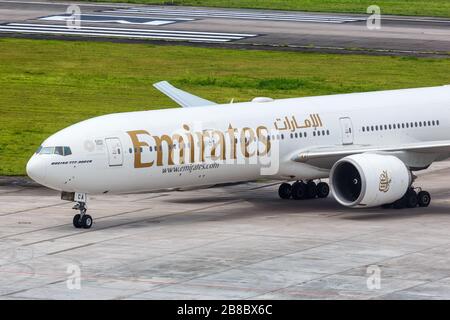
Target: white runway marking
[
  {"x": 122, "y": 19},
  {"x": 124, "y": 32},
  {"x": 248, "y": 15}
]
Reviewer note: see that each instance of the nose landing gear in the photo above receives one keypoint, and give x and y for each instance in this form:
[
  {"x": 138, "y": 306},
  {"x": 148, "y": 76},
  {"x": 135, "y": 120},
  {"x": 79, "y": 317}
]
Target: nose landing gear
[
  {"x": 301, "y": 191},
  {"x": 82, "y": 220}
]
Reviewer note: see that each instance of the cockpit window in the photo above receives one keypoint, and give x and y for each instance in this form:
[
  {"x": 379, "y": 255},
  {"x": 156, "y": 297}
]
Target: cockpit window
[
  {"x": 62, "y": 151},
  {"x": 47, "y": 150},
  {"x": 59, "y": 151}
]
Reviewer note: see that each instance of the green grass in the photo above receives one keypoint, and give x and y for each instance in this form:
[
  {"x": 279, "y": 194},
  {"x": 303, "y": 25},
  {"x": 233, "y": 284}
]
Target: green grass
[
  {"x": 48, "y": 85},
  {"x": 439, "y": 8}
]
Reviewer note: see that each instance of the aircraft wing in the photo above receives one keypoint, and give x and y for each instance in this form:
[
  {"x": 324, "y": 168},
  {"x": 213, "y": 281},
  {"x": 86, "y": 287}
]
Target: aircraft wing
[
  {"x": 318, "y": 153},
  {"x": 183, "y": 98}
]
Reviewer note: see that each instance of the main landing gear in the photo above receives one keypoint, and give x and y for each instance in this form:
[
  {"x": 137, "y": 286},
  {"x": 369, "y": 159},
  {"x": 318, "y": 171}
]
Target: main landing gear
[
  {"x": 301, "y": 191},
  {"x": 411, "y": 199},
  {"x": 82, "y": 220}
]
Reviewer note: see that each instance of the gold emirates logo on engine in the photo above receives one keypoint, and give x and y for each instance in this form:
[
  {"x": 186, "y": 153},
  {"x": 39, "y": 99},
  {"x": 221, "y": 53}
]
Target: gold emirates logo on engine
[{"x": 385, "y": 182}]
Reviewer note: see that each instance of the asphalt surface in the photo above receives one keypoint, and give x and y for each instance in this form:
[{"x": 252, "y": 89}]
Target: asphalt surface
[
  {"x": 232, "y": 242},
  {"x": 236, "y": 28}
]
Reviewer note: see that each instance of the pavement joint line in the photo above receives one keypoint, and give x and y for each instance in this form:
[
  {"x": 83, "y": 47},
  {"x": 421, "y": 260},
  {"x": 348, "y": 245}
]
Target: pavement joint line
[
  {"x": 259, "y": 261},
  {"x": 419, "y": 285},
  {"x": 125, "y": 223},
  {"x": 73, "y": 248},
  {"x": 65, "y": 224},
  {"x": 100, "y": 218},
  {"x": 116, "y": 278},
  {"x": 14, "y": 191},
  {"x": 31, "y": 209},
  {"x": 27, "y": 289},
  {"x": 379, "y": 262}
]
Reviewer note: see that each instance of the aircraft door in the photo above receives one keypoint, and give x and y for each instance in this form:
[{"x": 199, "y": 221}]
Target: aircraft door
[
  {"x": 346, "y": 130},
  {"x": 115, "y": 152}
]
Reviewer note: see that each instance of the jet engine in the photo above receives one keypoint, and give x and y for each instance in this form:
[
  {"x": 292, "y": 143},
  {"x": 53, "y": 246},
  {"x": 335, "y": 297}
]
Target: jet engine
[{"x": 369, "y": 180}]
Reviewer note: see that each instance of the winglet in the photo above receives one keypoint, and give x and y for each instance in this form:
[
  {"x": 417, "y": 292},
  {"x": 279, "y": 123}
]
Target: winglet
[{"x": 183, "y": 98}]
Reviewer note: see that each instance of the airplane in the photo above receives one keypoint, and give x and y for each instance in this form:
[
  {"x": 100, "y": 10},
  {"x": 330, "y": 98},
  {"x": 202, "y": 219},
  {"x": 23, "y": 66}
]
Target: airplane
[{"x": 369, "y": 145}]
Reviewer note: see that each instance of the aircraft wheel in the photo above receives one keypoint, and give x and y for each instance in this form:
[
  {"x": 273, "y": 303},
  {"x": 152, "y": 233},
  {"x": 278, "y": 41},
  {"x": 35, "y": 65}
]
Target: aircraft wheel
[
  {"x": 86, "y": 221},
  {"x": 323, "y": 190},
  {"x": 76, "y": 221},
  {"x": 400, "y": 203},
  {"x": 311, "y": 190},
  {"x": 424, "y": 199},
  {"x": 299, "y": 191},
  {"x": 285, "y": 191},
  {"x": 411, "y": 199}
]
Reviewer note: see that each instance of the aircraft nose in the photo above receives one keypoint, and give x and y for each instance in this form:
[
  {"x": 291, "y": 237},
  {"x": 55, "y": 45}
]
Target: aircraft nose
[{"x": 36, "y": 169}]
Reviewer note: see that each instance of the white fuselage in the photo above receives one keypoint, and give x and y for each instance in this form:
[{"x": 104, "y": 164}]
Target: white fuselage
[{"x": 106, "y": 155}]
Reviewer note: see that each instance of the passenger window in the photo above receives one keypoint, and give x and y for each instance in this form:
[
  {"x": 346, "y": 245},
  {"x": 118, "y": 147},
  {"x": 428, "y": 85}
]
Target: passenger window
[{"x": 437, "y": 122}]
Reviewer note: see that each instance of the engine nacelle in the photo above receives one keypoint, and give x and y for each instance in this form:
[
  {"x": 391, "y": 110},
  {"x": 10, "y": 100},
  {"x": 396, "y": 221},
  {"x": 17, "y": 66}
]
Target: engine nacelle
[{"x": 369, "y": 180}]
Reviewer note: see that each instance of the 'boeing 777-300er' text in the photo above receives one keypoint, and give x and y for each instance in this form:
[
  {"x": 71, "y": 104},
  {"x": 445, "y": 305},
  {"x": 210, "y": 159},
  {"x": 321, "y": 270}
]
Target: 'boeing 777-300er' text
[{"x": 368, "y": 144}]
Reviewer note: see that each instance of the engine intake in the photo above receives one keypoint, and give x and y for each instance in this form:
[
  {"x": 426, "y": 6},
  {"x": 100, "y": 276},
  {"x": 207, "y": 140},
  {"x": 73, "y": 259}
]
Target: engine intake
[{"x": 369, "y": 180}]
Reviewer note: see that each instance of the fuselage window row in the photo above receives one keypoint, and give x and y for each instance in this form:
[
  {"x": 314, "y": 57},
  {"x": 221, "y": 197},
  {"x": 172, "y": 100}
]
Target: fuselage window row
[{"x": 396, "y": 126}]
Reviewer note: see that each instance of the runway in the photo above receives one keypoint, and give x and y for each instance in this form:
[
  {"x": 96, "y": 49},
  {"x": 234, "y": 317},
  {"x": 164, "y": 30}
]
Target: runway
[
  {"x": 232, "y": 242},
  {"x": 234, "y": 28}
]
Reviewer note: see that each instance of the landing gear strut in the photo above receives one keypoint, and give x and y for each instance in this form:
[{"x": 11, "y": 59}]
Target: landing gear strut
[
  {"x": 82, "y": 220},
  {"x": 301, "y": 191}
]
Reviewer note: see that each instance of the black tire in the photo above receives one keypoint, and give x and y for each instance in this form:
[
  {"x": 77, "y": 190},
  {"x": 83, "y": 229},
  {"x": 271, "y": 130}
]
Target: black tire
[
  {"x": 411, "y": 199},
  {"x": 323, "y": 190},
  {"x": 87, "y": 221},
  {"x": 424, "y": 198},
  {"x": 299, "y": 191},
  {"x": 285, "y": 191},
  {"x": 76, "y": 221},
  {"x": 311, "y": 190},
  {"x": 400, "y": 203}
]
